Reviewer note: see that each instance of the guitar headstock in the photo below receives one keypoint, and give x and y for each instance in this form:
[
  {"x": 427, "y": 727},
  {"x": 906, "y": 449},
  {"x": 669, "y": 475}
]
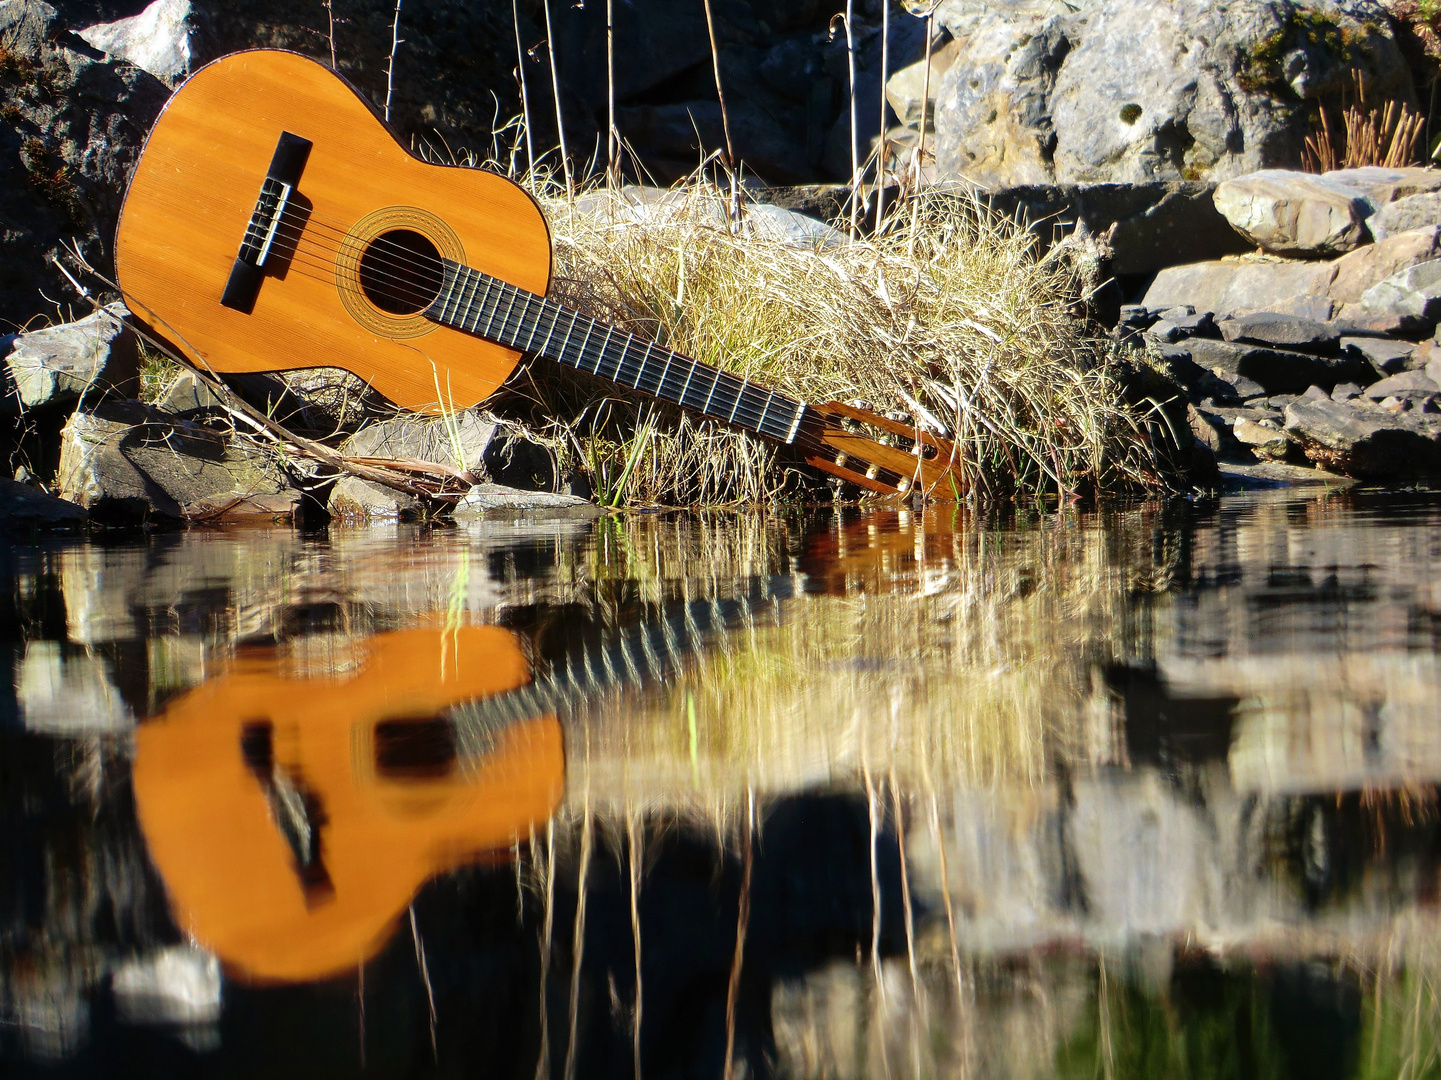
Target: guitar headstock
[{"x": 846, "y": 441}]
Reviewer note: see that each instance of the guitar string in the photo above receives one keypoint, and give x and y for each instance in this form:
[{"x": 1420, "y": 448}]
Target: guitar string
[
  {"x": 747, "y": 415},
  {"x": 295, "y": 231}
]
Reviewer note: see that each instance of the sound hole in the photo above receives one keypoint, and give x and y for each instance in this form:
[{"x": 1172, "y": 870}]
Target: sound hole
[
  {"x": 400, "y": 272},
  {"x": 414, "y": 749}
]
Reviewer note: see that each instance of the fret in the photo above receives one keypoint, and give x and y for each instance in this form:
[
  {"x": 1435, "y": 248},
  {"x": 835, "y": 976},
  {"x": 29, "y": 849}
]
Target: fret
[
  {"x": 491, "y": 318},
  {"x": 761, "y": 423},
  {"x": 452, "y": 272},
  {"x": 490, "y": 283},
  {"x": 745, "y": 385},
  {"x": 620, "y": 360},
  {"x": 796, "y": 423},
  {"x": 600, "y": 353},
  {"x": 640, "y": 371},
  {"x": 716, "y": 406},
  {"x": 499, "y": 336},
  {"x": 560, "y": 353},
  {"x": 680, "y": 399},
  {"x": 555, "y": 319},
  {"x": 703, "y": 370},
  {"x": 664, "y": 374},
  {"x": 535, "y": 323},
  {"x": 514, "y": 335},
  {"x": 472, "y": 281},
  {"x": 580, "y": 352}
]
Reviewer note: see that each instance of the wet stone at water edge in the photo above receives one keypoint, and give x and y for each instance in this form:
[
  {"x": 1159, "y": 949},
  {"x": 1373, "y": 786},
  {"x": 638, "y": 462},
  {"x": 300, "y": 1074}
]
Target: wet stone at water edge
[{"x": 550, "y": 792}]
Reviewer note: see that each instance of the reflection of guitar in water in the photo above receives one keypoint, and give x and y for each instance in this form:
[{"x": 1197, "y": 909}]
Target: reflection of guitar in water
[{"x": 294, "y": 819}]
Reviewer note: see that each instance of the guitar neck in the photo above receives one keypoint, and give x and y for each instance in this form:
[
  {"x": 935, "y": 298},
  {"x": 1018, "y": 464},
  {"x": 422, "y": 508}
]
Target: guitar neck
[
  {"x": 493, "y": 309},
  {"x": 643, "y": 653}
]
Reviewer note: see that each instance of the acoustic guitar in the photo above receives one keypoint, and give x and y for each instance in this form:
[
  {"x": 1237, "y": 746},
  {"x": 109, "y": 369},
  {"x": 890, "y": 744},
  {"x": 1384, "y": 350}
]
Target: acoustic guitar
[
  {"x": 292, "y": 820},
  {"x": 274, "y": 222}
]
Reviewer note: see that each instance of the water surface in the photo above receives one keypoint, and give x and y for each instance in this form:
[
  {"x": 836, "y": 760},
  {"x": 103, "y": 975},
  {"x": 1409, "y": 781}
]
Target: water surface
[{"x": 1148, "y": 791}]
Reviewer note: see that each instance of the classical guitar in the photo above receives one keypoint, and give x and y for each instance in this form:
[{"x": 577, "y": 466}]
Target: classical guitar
[
  {"x": 274, "y": 222},
  {"x": 292, "y": 820}
]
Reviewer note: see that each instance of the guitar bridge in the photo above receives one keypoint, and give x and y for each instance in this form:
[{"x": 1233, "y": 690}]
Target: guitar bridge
[{"x": 286, "y": 165}]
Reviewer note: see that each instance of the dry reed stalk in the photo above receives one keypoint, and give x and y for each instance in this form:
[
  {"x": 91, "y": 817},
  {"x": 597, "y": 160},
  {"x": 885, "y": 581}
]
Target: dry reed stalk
[
  {"x": 731, "y": 165},
  {"x": 1389, "y": 136},
  {"x": 885, "y": 70},
  {"x": 390, "y": 61},
  {"x": 743, "y": 910},
  {"x": 559, "y": 112},
  {"x": 612, "y": 135},
  {"x": 424, "y": 969},
  {"x": 330, "y": 17},
  {"x": 524, "y": 89},
  {"x": 636, "y": 866},
  {"x": 849, "y": 18}
]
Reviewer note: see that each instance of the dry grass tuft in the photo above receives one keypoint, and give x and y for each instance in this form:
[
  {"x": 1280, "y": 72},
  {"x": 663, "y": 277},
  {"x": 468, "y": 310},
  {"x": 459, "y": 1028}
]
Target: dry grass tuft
[{"x": 948, "y": 318}]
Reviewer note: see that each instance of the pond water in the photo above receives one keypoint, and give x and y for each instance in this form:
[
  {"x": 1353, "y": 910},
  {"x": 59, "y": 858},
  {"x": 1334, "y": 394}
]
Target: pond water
[{"x": 1148, "y": 791}]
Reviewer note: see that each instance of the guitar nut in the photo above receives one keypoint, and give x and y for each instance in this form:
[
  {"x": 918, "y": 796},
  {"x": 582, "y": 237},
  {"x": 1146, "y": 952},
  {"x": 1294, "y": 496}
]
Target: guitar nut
[{"x": 842, "y": 458}]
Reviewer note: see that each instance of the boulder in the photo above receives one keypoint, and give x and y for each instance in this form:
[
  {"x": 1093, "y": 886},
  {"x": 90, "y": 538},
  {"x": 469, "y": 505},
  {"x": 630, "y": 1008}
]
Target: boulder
[
  {"x": 1383, "y": 185},
  {"x": 126, "y": 463},
  {"x": 355, "y": 500},
  {"x": 1404, "y": 215},
  {"x": 24, "y": 509},
  {"x": 460, "y": 443},
  {"x": 69, "y": 695},
  {"x": 1386, "y": 356},
  {"x": 1291, "y": 213},
  {"x": 1279, "y": 371},
  {"x": 495, "y": 499},
  {"x": 1135, "y": 91},
  {"x": 1287, "y": 331},
  {"x": 1231, "y": 287},
  {"x": 1264, "y": 438},
  {"x": 907, "y": 89},
  {"x": 1148, "y": 226},
  {"x": 72, "y": 128},
  {"x": 156, "y": 40},
  {"x": 1364, "y": 441},
  {"x": 1403, "y": 384},
  {"x": 89, "y": 358},
  {"x": 1370, "y": 265},
  {"x": 1415, "y": 291}
]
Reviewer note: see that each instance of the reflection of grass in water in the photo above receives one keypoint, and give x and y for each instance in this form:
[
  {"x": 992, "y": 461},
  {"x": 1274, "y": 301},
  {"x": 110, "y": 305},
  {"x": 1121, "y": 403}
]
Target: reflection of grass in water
[
  {"x": 1401, "y": 1020},
  {"x": 945, "y": 652}
]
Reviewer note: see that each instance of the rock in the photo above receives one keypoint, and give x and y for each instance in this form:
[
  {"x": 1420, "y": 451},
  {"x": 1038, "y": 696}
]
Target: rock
[
  {"x": 1383, "y": 185},
  {"x": 1149, "y": 225},
  {"x": 641, "y": 203},
  {"x": 157, "y": 40},
  {"x": 1135, "y": 91},
  {"x": 69, "y": 695},
  {"x": 461, "y": 445},
  {"x": 1242, "y": 386},
  {"x": 1345, "y": 391},
  {"x": 189, "y": 398},
  {"x": 1370, "y": 265},
  {"x": 1277, "y": 370},
  {"x": 1356, "y": 320},
  {"x": 354, "y": 499},
  {"x": 1362, "y": 441},
  {"x": 126, "y": 463},
  {"x": 1415, "y": 291},
  {"x": 1387, "y": 357},
  {"x": 1209, "y": 431},
  {"x": 177, "y": 985},
  {"x": 1235, "y": 286},
  {"x": 1269, "y": 328},
  {"x": 24, "y": 509},
  {"x": 1264, "y": 437},
  {"x": 90, "y": 358},
  {"x": 71, "y": 132},
  {"x": 1403, "y": 384},
  {"x": 1406, "y": 215},
  {"x": 906, "y": 90},
  {"x": 1198, "y": 382},
  {"x": 322, "y": 400},
  {"x": 488, "y": 499},
  {"x": 1164, "y": 330},
  {"x": 1291, "y": 213},
  {"x": 674, "y": 137}
]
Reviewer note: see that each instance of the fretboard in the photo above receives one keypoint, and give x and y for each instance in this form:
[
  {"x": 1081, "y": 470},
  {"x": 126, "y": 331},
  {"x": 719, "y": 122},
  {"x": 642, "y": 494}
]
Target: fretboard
[{"x": 490, "y": 308}]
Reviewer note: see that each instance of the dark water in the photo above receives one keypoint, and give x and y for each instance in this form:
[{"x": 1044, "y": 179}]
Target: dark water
[{"x": 1150, "y": 792}]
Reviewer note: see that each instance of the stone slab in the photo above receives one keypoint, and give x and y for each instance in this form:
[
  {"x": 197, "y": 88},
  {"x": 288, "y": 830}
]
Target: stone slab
[
  {"x": 1294, "y": 213},
  {"x": 1283, "y": 331},
  {"x": 1278, "y": 371},
  {"x": 1365, "y": 267},
  {"x": 1364, "y": 441},
  {"x": 90, "y": 358}
]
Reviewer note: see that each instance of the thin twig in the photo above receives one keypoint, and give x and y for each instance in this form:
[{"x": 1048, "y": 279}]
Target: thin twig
[
  {"x": 559, "y": 112},
  {"x": 330, "y": 14},
  {"x": 524, "y": 90},
  {"x": 730, "y": 159},
  {"x": 743, "y": 912},
  {"x": 390, "y": 64},
  {"x": 612, "y": 135},
  {"x": 885, "y": 67},
  {"x": 425, "y": 979}
]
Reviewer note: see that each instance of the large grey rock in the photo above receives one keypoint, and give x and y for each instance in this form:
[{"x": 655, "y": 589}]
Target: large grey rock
[
  {"x": 156, "y": 40},
  {"x": 1264, "y": 438},
  {"x": 1231, "y": 287},
  {"x": 491, "y": 499},
  {"x": 460, "y": 444},
  {"x": 1280, "y": 371},
  {"x": 908, "y": 89},
  {"x": 25, "y": 509},
  {"x": 59, "y": 365},
  {"x": 1383, "y": 185},
  {"x": 1285, "y": 331},
  {"x": 1403, "y": 384},
  {"x": 1413, "y": 212},
  {"x": 1134, "y": 90},
  {"x": 1386, "y": 356},
  {"x": 1415, "y": 291},
  {"x": 1364, "y": 441},
  {"x": 1293, "y": 213},
  {"x": 1370, "y": 265},
  {"x": 1148, "y": 226},
  {"x": 71, "y": 132},
  {"x": 353, "y": 499},
  {"x": 125, "y": 462}
]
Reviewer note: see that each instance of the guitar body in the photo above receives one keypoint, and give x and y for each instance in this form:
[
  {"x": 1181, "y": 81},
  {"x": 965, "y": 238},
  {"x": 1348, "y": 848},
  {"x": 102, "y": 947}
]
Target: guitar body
[
  {"x": 191, "y": 200},
  {"x": 225, "y": 768}
]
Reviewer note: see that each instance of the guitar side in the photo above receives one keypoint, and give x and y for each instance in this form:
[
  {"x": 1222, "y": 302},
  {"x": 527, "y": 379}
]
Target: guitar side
[{"x": 190, "y": 202}]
